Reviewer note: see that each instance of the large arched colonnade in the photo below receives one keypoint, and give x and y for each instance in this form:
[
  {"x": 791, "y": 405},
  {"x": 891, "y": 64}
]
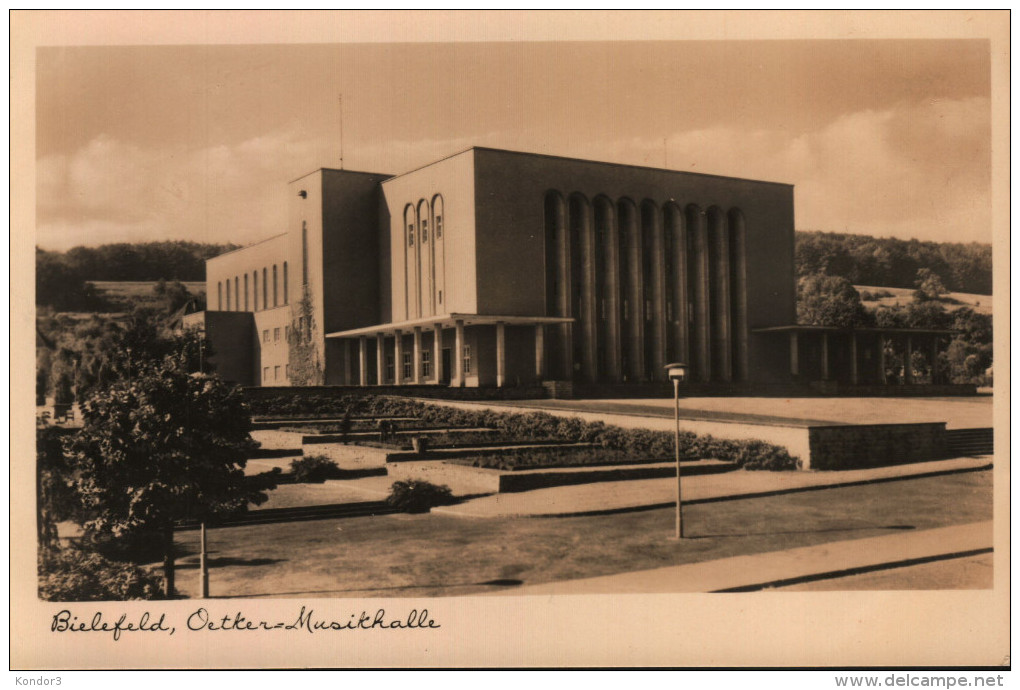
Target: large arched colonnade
[{"x": 646, "y": 283}]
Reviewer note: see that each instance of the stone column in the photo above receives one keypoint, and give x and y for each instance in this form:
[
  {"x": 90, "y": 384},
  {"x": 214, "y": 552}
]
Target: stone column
[
  {"x": 658, "y": 280},
  {"x": 722, "y": 346},
  {"x": 881, "y": 360},
  {"x": 613, "y": 292},
  {"x": 437, "y": 351},
  {"x": 794, "y": 362},
  {"x": 380, "y": 359},
  {"x": 362, "y": 360},
  {"x": 458, "y": 353},
  {"x": 908, "y": 355},
  {"x": 854, "y": 379},
  {"x": 539, "y": 353},
  {"x": 702, "y": 330},
  {"x": 398, "y": 358},
  {"x": 825, "y": 356},
  {"x": 589, "y": 311},
  {"x": 500, "y": 354},
  {"x": 416, "y": 362},
  {"x": 636, "y": 298}
]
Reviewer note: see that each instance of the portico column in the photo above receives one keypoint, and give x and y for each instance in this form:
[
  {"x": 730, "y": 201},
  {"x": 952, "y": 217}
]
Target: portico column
[
  {"x": 881, "y": 360},
  {"x": 539, "y": 352},
  {"x": 380, "y": 359},
  {"x": 500, "y": 354},
  {"x": 853, "y": 359},
  {"x": 825, "y": 356},
  {"x": 794, "y": 368},
  {"x": 363, "y": 361},
  {"x": 346, "y": 345},
  {"x": 437, "y": 350},
  {"x": 458, "y": 353},
  {"x": 398, "y": 358},
  {"x": 908, "y": 356},
  {"x": 416, "y": 375}
]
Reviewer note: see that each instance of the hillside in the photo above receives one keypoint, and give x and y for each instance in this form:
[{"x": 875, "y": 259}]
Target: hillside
[{"x": 894, "y": 296}]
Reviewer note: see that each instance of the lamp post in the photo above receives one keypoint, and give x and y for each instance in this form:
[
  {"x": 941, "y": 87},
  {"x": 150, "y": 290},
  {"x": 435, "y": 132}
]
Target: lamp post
[{"x": 677, "y": 372}]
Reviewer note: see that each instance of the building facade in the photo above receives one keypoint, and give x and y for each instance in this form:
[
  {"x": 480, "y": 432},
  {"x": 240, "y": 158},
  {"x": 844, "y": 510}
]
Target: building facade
[{"x": 499, "y": 268}]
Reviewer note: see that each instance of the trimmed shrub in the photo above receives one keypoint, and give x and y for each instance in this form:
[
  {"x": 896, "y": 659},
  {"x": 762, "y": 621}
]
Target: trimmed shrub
[
  {"x": 313, "y": 469},
  {"x": 77, "y": 574},
  {"x": 416, "y": 496}
]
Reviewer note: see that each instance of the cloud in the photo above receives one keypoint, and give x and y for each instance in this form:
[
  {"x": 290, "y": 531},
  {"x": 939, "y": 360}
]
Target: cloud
[
  {"x": 919, "y": 169},
  {"x": 916, "y": 170}
]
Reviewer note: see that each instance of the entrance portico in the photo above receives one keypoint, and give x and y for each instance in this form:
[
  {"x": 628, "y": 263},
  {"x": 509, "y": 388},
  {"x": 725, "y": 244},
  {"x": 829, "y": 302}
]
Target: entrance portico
[{"x": 481, "y": 349}]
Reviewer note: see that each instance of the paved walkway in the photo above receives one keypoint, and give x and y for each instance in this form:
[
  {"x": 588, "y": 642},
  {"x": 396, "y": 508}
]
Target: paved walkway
[
  {"x": 654, "y": 493},
  {"x": 741, "y": 573}
]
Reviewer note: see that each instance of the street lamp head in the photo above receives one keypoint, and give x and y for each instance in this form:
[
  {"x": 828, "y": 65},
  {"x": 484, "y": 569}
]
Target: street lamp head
[{"x": 677, "y": 371}]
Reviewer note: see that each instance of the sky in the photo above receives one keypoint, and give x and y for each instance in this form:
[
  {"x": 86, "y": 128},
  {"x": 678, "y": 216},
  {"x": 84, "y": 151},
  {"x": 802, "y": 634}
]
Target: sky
[{"x": 883, "y": 137}]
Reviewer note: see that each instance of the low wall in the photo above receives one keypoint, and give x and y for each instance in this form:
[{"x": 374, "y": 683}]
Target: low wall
[
  {"x": 860, "y": 446},
  {"x": 422, "y": 391},
  {"x": 353, "y": 457}
]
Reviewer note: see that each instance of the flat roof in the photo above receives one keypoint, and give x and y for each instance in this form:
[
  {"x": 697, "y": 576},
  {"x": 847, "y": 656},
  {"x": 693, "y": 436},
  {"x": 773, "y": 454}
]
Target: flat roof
[
  {"x": 449, "y": 321},
  {"x": 585, "y": 160},
  {"x": 248, "y": 246}
]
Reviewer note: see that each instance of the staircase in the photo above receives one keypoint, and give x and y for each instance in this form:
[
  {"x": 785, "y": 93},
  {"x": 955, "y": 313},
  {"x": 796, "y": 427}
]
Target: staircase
[{"x": 965, "y": 442}]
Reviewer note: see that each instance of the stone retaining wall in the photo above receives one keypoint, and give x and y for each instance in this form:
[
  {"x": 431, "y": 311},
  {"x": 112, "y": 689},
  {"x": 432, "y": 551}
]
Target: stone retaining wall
[{"x": 861, "y": 446}]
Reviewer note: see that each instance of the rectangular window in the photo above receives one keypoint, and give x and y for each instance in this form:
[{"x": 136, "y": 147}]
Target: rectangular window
[
  {"x": 467, "y": 359},
  {"x": 255, "y": 289},
  {"x": 389, "y": 368},
  {"x": 286, "y": 370},
  {"x": 228, "y": 294},
  {"x": 276, "y": 335},
  {"x": 246, "y": 292},
  {"x": 276, "y": 373},
  {"x": 426, "y": 363},
  {"x": 276, "y": 301},
  {"x": 408, "y": 366},
  {"x": 439, "y": 226},
  {"x": 265, "y": 289},
  {"x": 304, "y": 252},
  {"x": 219, "y": 296},
  {"x": 237, "y": 294},
  {"x": 265, "y": 373},
  {"x": 440, "y": 296},
  {"x": 265, "y": 336},
  {"x": 410, "y": 235},
  {"x": 286, "y": 333},
  {"x": 285, "y": 299},
  {"x": 424, "y": 231}
]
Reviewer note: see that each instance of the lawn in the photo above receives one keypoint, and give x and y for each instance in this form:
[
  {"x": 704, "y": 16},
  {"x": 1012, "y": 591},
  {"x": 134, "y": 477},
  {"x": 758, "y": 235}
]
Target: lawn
[{"x": 437, "y": 555}]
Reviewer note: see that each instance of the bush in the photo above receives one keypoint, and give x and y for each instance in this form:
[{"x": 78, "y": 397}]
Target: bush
[
  {"x": 313, "y": 469},
  {"x": 77, "y": 574},
  {"x": 417, "y": 496}
]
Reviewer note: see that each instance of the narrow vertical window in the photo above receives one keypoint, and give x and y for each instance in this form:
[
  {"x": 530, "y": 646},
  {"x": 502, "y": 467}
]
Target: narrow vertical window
[
  {"x": 265, "y": 289},
  {"x": 467, "y": 359},
  {"x": 237, "y": 294},
  {"x": 439, "y": 226},
  {"x": 410, "y": 235},
  {"x": 408, "y": 366},
  {"x": 304, "y": 253},
  {"x": 228, "y": 294},
  {"x": 246, "y": 292},
  {"x": 219, "y": 296},
  {"x": 285, "y": 299},
  {"x": 255, "y": 287},
  {"x": 276, "y": 302},
  {"x": 426, "y": 363},
  {"x": 424, "y": 231}
]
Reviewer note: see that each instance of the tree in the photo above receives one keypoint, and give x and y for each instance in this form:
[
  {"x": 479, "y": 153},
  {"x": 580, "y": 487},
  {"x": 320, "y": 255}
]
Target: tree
[
  {"x": 824, "y": 300},
  {"x": 164, "y": 446},
  {"x": 929, "y": 286}
]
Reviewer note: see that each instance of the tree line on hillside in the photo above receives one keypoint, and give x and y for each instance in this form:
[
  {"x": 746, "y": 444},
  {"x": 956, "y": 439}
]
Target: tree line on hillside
[
  {"x": 889, "y": 262},
  {"x": 826, "y": 300},
  {"x": 64, "y": 279}
]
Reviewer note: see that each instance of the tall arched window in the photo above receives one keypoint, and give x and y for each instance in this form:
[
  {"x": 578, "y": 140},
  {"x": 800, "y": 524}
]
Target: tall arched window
[
  {"x": 410, "y": 261},
  {"x": 439, "y": 250},
  {"x": 426, "y": 303}
]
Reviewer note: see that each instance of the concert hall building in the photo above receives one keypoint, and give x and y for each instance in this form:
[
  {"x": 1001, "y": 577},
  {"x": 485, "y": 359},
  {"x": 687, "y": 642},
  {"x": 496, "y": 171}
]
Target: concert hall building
[{"x": 500, "y": 268}]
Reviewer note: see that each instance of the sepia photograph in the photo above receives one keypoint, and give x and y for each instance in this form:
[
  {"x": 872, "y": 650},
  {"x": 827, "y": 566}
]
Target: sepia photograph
[{"x": 510, "y": 339}]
